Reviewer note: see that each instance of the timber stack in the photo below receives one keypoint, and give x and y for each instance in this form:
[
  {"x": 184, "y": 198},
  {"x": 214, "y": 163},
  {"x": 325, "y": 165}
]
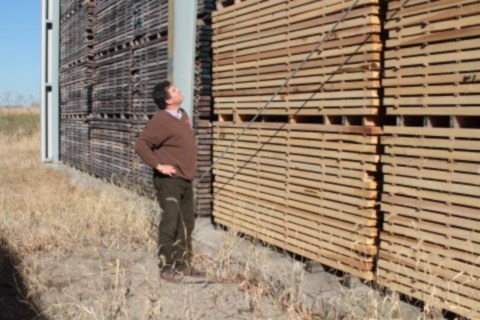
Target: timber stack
[
  {"x": 303, "y": 175},
  {"x": 130, "y": 57},
  {"x": 149, "y": 66},
  {"x": 76, "y": 80},
  {"x": 430, "y": 242},
  {"x": 202, "y": 108},
  {"x": 109, "y": 143},
  {"x": 112, "y": 55},
  {"x": 114, "y": 28}
]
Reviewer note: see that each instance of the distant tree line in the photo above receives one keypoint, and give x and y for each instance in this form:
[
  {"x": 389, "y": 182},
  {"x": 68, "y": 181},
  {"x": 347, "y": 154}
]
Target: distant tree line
[{"x": 9, "y": 100}]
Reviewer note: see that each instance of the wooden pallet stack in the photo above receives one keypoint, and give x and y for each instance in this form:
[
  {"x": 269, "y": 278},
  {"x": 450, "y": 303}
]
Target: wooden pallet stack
[
  {"x": 77, "y": 37},
  {"x": 149, "y": 67},
  {"x": 203, "y": 189},
  {"x": 205, "y": 8},
  {"x": 110, "y": 147},
  {"x": 113, "y": 30},
  {"x": 306, "y": 188},
  {"x": 130, "y": 57},
  {"x": 141, "y": 173},
  {"x": 76, "y": 80},
  {"x": 255, "y": 51},
  {"x": 76, "y": 54},
  {"x": 203, "y": 69},
  {"x": 74, "y": 142},
  {"x": 76, "y": 95},
  {"x": 202, "y": 109},
  {"x": 114, "y": 24},
  {"x": 303, "y": 176},
  {"x": 149, "y": 54},
  {"x": 430, "y": 243},
  {"x": 151, "y": 17},
  {"x": 111, "y": 93}
]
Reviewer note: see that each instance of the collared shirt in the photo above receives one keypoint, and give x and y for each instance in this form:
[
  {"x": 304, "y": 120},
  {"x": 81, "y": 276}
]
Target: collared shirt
[{"x": 177, "y": 114}]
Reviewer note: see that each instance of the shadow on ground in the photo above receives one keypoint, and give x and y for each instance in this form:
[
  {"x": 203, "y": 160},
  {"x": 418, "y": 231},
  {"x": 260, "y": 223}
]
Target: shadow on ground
[{"x": 14, "y": 301}]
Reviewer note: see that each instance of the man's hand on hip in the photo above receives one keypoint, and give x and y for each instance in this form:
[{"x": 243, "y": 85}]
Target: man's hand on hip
[{"x": 166, "y": 169}]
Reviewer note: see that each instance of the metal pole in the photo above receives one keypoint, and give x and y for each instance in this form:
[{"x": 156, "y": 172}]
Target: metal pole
[
  {"x": 50, "y": 93},
  {"x": 184, "y": 36},
  {"x": 44, "y": 81},
  {"x": 171, "y": 28},
  {"x": 55, "y": 106}
]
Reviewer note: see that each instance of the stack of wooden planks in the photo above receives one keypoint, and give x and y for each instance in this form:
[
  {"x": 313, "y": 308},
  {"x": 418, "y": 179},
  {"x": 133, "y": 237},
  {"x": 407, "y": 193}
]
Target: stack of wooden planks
[
  {"x": 113, "y": 53},
  {"x": 113, "y": 57},
  {"x": 203, "y": 187},
  {"x": 130, "y": 55},
  {"x": 203, "y": 70},
  {"x": 149, "y": 67},
  {"x": 150, "y": 17},
  {"x": 76, "y": 92},
  {"x": 74, "y": 142},
  {"x": 258, "y": 45},
  {"x": 76, "y": 80},
  {"x": 110, "y": 147},
  {"x": 76, "y": 54},
  {"x": 306, "y": 188},
  {"x": 205, "y": 8},
  {"x": 141, "y": 173},
  {"x": 130, "y": 58},
  {"x": 430, "y": 243},
  {"x": 111, "y": 93},
  {"x": 303, "y": 176},
  {"x": 149, "y": 64},
  {"x": 76, "y": 20},
  {"x": 202, "y": 109},
  {"x": 114, "y": 23}
]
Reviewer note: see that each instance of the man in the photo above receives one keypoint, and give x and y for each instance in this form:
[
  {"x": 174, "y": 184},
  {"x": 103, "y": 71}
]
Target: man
[{"x": 167, "y": 144}]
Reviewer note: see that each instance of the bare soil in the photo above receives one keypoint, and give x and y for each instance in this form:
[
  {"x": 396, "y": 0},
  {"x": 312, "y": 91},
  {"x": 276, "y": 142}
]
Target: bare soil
[{"x": 124, "y": 283}]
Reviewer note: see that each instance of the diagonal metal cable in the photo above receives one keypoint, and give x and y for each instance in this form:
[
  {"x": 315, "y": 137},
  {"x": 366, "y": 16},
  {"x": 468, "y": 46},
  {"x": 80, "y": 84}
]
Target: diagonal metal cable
[{"x": 287, "y": 80}]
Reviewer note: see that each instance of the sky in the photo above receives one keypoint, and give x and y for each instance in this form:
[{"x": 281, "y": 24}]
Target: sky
[{"x": 20, "y": 54}]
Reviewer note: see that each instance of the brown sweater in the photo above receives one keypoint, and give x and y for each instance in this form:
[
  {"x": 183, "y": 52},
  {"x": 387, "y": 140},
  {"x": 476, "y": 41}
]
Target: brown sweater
[{"x": 167, "y": 140}]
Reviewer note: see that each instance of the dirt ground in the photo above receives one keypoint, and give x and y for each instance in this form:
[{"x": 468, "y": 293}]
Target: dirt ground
[{"x": 124, "y": 283}]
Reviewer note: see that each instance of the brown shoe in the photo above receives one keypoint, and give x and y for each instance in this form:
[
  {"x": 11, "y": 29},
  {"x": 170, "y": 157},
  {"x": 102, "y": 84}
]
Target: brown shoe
[
  {"x": 170, "y": 275},
  {"x": 190, "y": 271}
]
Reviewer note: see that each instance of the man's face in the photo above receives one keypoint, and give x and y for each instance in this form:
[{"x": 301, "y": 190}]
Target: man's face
[{"x": 176, "y": 96}]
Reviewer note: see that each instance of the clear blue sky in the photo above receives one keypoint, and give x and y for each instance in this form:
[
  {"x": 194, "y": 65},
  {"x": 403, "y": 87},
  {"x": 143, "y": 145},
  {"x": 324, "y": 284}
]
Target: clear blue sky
[{"x": 20, "y": 36}]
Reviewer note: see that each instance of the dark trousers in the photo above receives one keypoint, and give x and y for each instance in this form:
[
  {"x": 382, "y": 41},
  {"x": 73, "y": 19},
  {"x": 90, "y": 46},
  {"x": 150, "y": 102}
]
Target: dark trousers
[{"x": 175, "y": 197}]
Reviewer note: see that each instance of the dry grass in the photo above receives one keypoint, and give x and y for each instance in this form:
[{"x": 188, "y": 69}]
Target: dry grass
[
  {"x": 57, "y": 213},
  {"x": 355, "y": 300},
  {"x": 44, "y": 212},
  {"x": 19, "y": 121}
]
